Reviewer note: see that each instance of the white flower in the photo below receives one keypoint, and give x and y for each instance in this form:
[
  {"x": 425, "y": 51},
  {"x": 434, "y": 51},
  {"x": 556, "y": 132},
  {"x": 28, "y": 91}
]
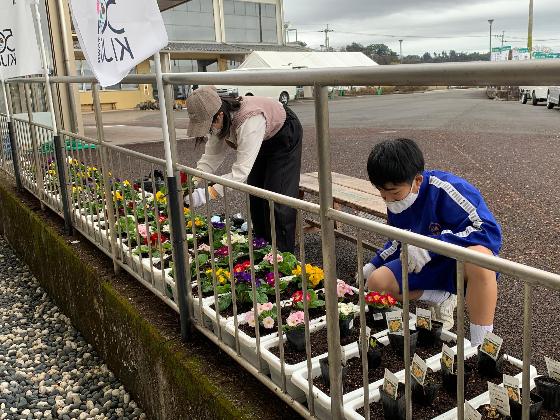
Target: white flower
[
  {"x": 236, "y": 238},
  {"x": 204, "y": 247},
  {"x": 268, "y": 323},
  {"x": 189, "y": 236},
  {"x": 347, "y": 309},
  {"x": 165, "y": 229}
]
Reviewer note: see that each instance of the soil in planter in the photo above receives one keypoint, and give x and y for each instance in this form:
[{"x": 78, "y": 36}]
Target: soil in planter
[
  {"x": 549, "y": 415},
  {"x": 445, "y": 401},
  {"x": 206, "y": 294},
  {"x": 354, "y": 378},
  {"x": 318, "y": 346},
  {"x": 250, "y": 331}
]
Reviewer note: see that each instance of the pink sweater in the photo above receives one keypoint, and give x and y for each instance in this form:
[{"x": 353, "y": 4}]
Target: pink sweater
[{"x": 272, "y": 110}]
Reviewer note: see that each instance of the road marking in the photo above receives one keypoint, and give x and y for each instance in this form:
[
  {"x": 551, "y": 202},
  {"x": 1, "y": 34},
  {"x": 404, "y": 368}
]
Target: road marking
[{"x": 387, "y": 132}]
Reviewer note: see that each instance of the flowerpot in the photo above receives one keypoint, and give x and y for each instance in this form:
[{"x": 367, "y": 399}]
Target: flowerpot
[
  {"x": 427, "y": 338},
  {"x": 346, "y": 326},
  {"x": 426, "y": 394},
  {"x": 374, "y": 356},
  {"x": 449, "y": 380},
  {"x": 397, "y": 343},
  {"x": 324, "y": 364},
  {"x": 549, "y": 390},
  {"x": 377, "y": 316},
  {"x": 536, "y": 405},
  {"x": 237, "y": 220},
  {"x": 297, "y": 339},
  {"x": 393, "y": 409},
  {"x": 489, "y": 412},
  {"x": 489, "y": 367}
]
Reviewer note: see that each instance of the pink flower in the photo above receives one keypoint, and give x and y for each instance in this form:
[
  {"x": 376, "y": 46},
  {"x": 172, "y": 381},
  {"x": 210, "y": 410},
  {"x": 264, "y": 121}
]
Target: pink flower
[
  {"x": 342, "y": 289},
  {"x": 143, "y": 230},
  {"x": 266, "y": 306},
  {"x": 295, "y": 319},
  {"x": 268, "y": 323},
  {"x": 204, "y": 248},
  {"x": 269, "y": 258},
  {"x": 250, "y": 318}
]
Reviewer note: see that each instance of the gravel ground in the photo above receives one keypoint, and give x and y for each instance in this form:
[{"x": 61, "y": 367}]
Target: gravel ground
[
  {"x": 518, "y": 176},
  {"x": 47, "y": 370}
]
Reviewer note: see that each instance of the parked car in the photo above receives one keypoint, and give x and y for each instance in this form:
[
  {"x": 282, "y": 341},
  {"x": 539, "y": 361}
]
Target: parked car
[
  {"x": 553, "y": 96},
  {"x": 535, "y": 94},
  {"x": 283, "y": 94}
]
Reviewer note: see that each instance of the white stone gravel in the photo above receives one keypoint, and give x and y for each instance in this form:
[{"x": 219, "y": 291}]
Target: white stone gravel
[{"x": 47, "y": 370}]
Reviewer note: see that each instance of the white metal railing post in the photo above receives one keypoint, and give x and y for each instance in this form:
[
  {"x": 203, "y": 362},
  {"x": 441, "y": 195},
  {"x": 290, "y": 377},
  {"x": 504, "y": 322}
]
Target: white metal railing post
[
  {"x": 527, "y": 320},
  {"x": 406, "y": 330},
  {"x": 328, "y": 242},
  {"x": 460, "y": 271}
]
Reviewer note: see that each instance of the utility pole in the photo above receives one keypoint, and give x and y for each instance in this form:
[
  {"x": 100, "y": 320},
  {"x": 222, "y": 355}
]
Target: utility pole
[
  {"x": 326, "y": 31},
  {"x": 400, "y": 47},
  {"x": 530, "y": 30},
  {"x": 490, "y": 22},
  {"x": 503, "y": 33}
]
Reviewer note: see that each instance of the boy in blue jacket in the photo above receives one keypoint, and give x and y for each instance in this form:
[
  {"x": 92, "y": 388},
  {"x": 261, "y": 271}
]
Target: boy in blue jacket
[{"x": 442, "y": 206}]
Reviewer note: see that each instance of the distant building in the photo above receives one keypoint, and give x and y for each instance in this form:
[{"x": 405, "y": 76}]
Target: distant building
[{"x": 204, "y": 35}]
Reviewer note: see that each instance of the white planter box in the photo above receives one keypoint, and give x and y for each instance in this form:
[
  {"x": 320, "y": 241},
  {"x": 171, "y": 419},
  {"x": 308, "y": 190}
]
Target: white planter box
[
  {"x": 351, "y": 408},
  {"x": 323, "y": 401}
]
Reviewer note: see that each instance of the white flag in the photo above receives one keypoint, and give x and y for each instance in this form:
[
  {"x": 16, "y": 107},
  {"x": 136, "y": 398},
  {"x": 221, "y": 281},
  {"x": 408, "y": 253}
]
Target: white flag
[
  {"x": 19, "y": 53},
  {"x": 116, "y": 35}
]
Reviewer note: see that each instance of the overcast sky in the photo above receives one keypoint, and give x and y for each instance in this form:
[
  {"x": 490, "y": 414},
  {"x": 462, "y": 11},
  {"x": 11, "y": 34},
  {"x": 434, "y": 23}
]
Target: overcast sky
[{"x": 424, "y": 25}]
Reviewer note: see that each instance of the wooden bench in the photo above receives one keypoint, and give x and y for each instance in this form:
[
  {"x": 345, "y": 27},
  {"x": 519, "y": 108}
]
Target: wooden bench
[{"x": 357, "y": 194}]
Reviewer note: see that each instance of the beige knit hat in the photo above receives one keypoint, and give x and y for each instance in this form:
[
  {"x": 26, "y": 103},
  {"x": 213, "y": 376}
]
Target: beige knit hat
[{"x": 202, "y": 105}]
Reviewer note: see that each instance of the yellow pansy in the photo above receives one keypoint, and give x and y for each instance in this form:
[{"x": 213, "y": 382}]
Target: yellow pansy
[
  {"x": 186, "y": 211},
  {"x": 126, "y": 183},
  {"x": 118, "y": 196},
  {"x": 160, "y": 197}
]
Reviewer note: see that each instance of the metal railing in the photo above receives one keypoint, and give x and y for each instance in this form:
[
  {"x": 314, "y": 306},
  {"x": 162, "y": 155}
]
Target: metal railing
[{"x": 102, "y": 212}]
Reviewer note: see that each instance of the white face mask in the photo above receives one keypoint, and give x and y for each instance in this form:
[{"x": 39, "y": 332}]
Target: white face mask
[{"x": 397, "y": 207}]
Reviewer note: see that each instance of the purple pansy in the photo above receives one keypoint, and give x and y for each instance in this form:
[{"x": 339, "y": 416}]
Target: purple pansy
[
  {"x": 259, "y": 243},
  {"x": 218, "y": 225}
]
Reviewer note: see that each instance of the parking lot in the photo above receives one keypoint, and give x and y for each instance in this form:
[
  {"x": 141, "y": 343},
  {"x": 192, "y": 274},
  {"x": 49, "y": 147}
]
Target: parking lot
[{"x": 508, "y": 150}]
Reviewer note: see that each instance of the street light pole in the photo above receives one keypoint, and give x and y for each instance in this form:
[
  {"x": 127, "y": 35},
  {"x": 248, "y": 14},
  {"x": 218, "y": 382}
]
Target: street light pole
[
  {"x": 400, "y": 46},
  {"x": 490, "y": 22}
]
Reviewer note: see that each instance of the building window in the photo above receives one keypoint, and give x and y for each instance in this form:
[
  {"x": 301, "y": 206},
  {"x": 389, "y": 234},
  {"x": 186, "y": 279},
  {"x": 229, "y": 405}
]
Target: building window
[
  {"x": 191, "y": 21},
  {"x": 250, "y": 22}
]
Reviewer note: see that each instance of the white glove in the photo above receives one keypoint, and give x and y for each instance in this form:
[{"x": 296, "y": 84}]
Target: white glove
[
  {"x": 417, "y": 258},
  {"x": 367, "y": 270},
  {"x": 198, "y": 198}
]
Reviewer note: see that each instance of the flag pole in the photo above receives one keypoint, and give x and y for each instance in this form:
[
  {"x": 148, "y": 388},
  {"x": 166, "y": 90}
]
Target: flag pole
[
  {"x": 45, "y": 66},
  {"x": 163, "y": 110}
]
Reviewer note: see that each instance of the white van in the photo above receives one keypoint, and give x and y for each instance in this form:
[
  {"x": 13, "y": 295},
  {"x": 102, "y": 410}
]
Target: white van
[
  {"x": 535, "y": 94},
  {"x": 283, "y": 94}
]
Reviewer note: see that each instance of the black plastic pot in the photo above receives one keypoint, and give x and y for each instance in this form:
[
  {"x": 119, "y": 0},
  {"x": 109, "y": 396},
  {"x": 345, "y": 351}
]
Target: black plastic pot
[
  {"x": 374, "y": 355},
  {"x": 516, "y": 408},
  {"x": 377, "y": 317},
  {"x": 449, "y": 380},
  {"x": 489, "y": 367},
  {"x": 346, "y": 326},
  {"x": 549, "y": 390},
  {"x": 393, "y": 409},
  {"x": 427, "y": 338},
  {"x": 424, "y": 395},
  {"x": 237, "y": 220},
  {"x": 324, "y": 364},
  {"x": 397, "y": 343},
  {"x": 297, "y": 339}
]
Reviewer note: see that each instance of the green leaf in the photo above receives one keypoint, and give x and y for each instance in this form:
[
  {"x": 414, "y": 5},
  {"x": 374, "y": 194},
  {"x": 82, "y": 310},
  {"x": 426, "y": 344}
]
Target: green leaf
[
  {"x": 261, "y": 297},
  {"x": 224, "y": 302}
]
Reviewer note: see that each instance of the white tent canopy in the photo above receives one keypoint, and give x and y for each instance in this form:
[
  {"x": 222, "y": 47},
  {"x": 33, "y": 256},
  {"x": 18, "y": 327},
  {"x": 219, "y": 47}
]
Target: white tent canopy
[{"x": 305, "y": 59}]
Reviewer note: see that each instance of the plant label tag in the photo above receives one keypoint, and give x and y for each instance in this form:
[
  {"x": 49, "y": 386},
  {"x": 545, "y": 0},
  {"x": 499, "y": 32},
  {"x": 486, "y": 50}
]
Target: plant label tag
[
  {"x": 377, "y": 316},
  {"x": 351, "y": 324},
  {"x": 499, "y": 398},
  {"x": 343, "y": 355},
  {"x": 447, "y": 358},
  {"x": 418, "y": 369},
  {"x": 394, "y": 322},
  {"x": 553, "y": 368},
  {"x": 471, "y": 413},
  {"x": 424, "y": 319},
  {"x": 511, "y": 384},
  {"x": 491, "y": 345},
  {"x": 390, "y": 384}
]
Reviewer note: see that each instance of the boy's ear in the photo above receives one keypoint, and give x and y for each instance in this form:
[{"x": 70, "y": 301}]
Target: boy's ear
[{"x": 419, "y": 179}]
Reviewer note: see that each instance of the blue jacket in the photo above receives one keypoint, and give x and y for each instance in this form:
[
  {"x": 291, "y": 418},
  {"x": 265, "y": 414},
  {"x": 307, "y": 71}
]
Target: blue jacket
[{"x": 448, "y": 208}]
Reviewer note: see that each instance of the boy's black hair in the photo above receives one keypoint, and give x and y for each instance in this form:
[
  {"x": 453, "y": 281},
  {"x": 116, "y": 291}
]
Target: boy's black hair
[{"x": 394, "y": 161}]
